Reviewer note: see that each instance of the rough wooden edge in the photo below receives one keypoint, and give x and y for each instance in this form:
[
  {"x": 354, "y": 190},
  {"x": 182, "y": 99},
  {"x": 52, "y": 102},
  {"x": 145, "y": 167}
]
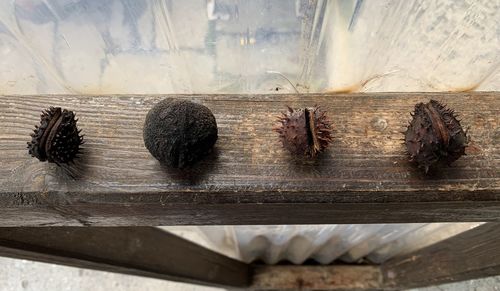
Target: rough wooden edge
[
  {"x": 142, "y": 251},
  {"x": 470, "y": 255},
  {"x": 336, "y": 277}
]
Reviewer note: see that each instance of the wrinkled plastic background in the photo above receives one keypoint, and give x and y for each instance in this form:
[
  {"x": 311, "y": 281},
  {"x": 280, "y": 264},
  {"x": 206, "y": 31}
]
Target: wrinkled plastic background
[{"x": 199, "y": 46}]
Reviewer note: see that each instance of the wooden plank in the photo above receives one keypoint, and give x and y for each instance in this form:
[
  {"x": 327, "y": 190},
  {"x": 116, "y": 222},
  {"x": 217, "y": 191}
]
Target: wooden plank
[
  {"x": 142, "y": 251},
  {"x": 337, "y": 277},
  {"x": 469, "y": 255},
  {"x": 364, "y": 177}
]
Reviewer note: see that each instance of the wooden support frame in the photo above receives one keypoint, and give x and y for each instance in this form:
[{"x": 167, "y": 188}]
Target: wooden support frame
[
  {"x": 142, "y": 251},
  {"x": 150, "y": 252},
  {"x": 333, "y": 278},
  {"x": 469, "y": 255},
  {"x": 364, "y": 177}
]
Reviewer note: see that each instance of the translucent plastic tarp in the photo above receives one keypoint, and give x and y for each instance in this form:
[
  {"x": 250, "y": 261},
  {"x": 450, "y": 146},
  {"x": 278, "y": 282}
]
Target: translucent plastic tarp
[
  {"x": 199, "y": 46},
  {"x": 258, "y": 46}
]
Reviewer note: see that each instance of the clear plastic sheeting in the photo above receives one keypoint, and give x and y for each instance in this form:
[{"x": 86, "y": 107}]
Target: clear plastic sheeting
[
  {"x": 413, "y": 45},
  {"x": 232, "y": 46},
  {"x": 126, "y": 46}
]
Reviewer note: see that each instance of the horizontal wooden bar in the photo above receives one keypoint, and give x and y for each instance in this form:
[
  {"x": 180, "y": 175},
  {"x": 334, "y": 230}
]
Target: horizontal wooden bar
[
  {"x": 142, "y": 251},
  {"x": 364, "y": 176},
  {"x": 470, "y": 255},
  {"x": 150, "y": 252},
  {"x": 336, "y": 277}
]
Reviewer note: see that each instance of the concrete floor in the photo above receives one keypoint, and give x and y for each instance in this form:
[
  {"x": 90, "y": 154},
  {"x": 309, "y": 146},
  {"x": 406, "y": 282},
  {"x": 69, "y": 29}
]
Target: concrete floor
[
  {"x": 486, "y": 284},
  {"x": 22, "y": 275}
]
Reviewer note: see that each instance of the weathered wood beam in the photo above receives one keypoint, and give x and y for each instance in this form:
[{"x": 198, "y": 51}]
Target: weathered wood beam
[
  {"x": 150, "y": 252},
  {"x": 470, "y": 255},
  {"x": 304, "y": 278},
  {"x": 142, "y": 251},
  {"x": 364, "y": 177}
]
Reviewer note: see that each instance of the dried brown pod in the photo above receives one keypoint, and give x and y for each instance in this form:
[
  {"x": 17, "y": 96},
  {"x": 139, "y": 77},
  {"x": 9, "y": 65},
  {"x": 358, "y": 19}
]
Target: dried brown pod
[
  {"x": 57, "y": 138},
  {"x": 179, "y": 133},
  {"x": 304, "y": 132},
  {"x": 434, "y": 135}
]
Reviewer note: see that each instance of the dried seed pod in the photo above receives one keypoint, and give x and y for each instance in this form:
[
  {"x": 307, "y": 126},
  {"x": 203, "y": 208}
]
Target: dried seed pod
[
  {"x": 179, "y": 133},
  {"x": 304, "y": 132},
  {"x": 57, "y": 138},
  {"x": 434, "y": 135}
]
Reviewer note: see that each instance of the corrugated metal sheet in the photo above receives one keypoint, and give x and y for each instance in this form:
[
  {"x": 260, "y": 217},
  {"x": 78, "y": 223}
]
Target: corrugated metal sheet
[{"x": 325, "y": 244}]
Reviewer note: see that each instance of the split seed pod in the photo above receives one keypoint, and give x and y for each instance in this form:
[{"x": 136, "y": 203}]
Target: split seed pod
[
  {"x": 57, "y": 138},
  {"x": 304, "y": 132},
  {"x": 434, "y": 135}
]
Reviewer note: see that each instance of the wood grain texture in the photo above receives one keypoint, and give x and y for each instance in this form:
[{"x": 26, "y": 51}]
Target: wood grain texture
[
  {"x": 142, "y": 251},
  {"x": 470, "y": 255},
  {"x": 364, "y": 177},
  {"x": 337, "y": 277}
]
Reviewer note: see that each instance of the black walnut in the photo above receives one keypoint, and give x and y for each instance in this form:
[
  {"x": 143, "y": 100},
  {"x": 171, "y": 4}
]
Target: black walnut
[
  {"x": 57, "y": 138},
  {"x": 434, "y": 136},
  {"x": 179, "y": 133},
  {"x": 304, "y": 132}
]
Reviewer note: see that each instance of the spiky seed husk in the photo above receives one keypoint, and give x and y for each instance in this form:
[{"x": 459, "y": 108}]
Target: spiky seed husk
[
  {"x": 57, "y": 138},
  {"x": 304, "y": 132},
  {"x": 434, "y": 135}
]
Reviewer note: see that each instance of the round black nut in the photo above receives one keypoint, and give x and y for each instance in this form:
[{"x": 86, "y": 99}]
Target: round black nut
[{"x": 179, "y": 133}]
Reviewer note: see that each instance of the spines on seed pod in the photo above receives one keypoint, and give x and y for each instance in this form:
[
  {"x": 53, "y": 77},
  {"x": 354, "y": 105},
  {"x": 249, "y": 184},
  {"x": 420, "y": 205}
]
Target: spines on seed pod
[
  {"x": 57, "y": 138},
  {"x": 434, "y": 135},
  {"x": 304, "y": 132}
]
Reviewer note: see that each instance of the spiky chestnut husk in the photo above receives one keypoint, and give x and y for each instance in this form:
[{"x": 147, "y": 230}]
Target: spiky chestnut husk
[
  {"x": 57, "y": 138},
  {"x": 304, "y": 132},
  {"x": 179, "y": 133},
  {"x": 434, "y": 135}
]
